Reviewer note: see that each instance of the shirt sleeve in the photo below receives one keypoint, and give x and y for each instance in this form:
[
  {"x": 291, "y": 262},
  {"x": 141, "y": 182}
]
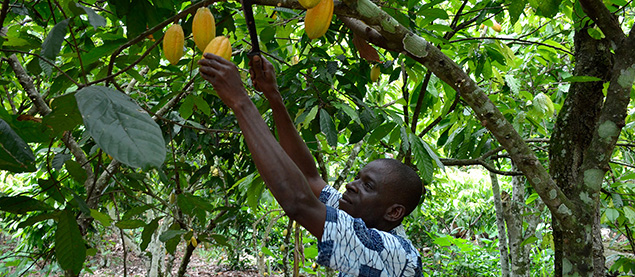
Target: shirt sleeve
[
  {"x": 330, "y": 196},
  {"x": 349, "y": 246}
]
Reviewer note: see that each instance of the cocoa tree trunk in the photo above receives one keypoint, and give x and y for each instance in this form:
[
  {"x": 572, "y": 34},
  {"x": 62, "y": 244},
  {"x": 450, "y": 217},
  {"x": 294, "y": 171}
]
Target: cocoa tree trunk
[{"x": 574, "y": 130}]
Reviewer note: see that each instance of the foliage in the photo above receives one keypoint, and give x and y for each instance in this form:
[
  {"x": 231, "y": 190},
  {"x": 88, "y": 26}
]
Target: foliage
[{"x": 120, "y": 128}]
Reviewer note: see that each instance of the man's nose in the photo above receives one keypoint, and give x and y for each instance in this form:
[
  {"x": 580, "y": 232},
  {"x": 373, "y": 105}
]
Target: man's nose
[{"x": 352, "y": 186}]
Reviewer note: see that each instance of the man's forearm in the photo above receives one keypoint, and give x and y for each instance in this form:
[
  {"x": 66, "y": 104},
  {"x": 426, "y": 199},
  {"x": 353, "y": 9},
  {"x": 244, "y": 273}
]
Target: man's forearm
[
  {"x": 294, "y": 145},
  {"x": 286, "y": 182}
]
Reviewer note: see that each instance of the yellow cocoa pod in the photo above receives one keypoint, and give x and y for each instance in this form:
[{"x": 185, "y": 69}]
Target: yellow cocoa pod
[
  {"x": 318, "y": 19},
  {"x": 374, "y": 73},
  {"x": 173, "y": 43},
  {"x": 497, "y": 27},
  {"x": 308, "y": 4},
  {"x": 220, "y": 46},
  {"x": 203, "y": 27},
  {"x": 194, "y": 242}
]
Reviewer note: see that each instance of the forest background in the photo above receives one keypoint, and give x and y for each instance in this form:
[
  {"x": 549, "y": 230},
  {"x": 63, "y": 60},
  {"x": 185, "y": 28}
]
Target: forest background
[{"x": 102, "y": 136}]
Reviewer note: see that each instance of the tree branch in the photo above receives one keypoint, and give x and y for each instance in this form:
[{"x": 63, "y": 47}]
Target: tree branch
[
  {"x": 479, "y": 161},
  {"x": 142, "y": 36},
  {"x": 523, "y": 41},
  {"x": 604, "y": 19},
  {"x": 43, "y": 109}
]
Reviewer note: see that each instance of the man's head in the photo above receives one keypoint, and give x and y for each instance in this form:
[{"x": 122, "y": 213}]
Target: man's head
[{"x": 382, "y": 194}]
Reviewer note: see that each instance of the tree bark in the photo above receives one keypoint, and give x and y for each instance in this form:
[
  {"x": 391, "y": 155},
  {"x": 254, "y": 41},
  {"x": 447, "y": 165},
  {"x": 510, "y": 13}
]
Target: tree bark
[
  {"x": 575, "y": 125},
  {"x": 500, "y": 224}
]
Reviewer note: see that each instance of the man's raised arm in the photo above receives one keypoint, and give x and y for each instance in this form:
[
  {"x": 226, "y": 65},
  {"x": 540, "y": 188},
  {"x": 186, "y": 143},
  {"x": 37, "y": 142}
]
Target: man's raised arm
[
  {"x": 287, "y": 183},
  {"x": 264, "y": 80}
]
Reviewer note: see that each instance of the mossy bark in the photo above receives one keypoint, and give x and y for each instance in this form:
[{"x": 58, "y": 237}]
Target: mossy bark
[{"x": 574, "y": 130}]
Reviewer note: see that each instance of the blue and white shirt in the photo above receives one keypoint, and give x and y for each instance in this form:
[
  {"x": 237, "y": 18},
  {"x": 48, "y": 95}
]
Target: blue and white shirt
[{"x": 352, "y": 248}]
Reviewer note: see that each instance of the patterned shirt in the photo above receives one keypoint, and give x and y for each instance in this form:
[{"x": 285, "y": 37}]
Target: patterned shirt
[{"x": 352, "y": 248}]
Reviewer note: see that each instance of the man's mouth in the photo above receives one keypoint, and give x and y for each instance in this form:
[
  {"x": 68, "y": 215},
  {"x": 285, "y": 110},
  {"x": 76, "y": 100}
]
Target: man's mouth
[{"x": 346, "y": 199}]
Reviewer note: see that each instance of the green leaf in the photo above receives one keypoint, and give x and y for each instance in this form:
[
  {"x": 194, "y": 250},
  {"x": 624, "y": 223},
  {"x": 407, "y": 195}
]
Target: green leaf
[
  {"x": 515, "y": 9},
  {"x": 513, "y": 83},
  {"x": 76, "y": 170},
  {"x": 35, "y": 219},
  {"x": 135, "y": 211},
  {"x": 433, "y": 13},
  {"x": 130, "y": 224},
  {"x": 146, "y": 235},
  {"x": 423, "y": 159},
  {"x": 443, "y": 241},
  {"x": 202, "y": 105},
  {"x": 546, "y": 8},
  {"x": 94, "y": 19},
  {"x": 629, "y": 213},
  {"x": 96, "y": 53},
  {"x": 22, "y": 204},
  {"x": 529, "y": 240},
  {"x": 103, "y": 218},
  {"x": 28, "y": 129},
  {"x": 170, "y": 234},
  {"x": 51, "y": 189},
  {"x": 611, "y": 214},
  {"x": 531, "y": 198},
  {"x": 15, "y": 155},
  {"x": 52, "y": 45},
  {"x": 328, "y": 127},
  {"x": 348, "y": 110},
  {"x": 64, "y": 115},
  {"x": 187, "y": 107},
  {"x": 596, "y": 33},
  {"x": 578, "y": 79},
  {"x": 254, "y": 192},
  {"x": 70, "y": 250},
  {"x": 309, "y": 117},
  {"x": 121, "y": 127},
  {"x": 381, "y": 132},
  {"x": 81, "y": 204}
]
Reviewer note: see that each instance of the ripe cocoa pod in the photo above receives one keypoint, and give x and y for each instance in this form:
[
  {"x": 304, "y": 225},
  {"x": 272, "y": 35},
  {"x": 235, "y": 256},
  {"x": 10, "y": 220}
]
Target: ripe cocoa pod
[
  {"x": 173, "y": 43},
  {"x": 308, "y": 4},
  {"x": 194, "y": 242},
  {"x": 203, "y": 28},
  {"x": 318, "y": 19},
  {"x": 220, "y": 46},
  {"x": 374, "y": 73},
  {"x": 497, "y": 27}
]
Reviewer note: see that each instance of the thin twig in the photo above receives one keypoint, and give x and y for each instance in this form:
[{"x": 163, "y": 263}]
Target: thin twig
[{"x": 514, "y": 40}]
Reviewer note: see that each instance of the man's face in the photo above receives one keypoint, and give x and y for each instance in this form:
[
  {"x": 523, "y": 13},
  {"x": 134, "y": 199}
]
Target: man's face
[{"x": 365, "y": 197}]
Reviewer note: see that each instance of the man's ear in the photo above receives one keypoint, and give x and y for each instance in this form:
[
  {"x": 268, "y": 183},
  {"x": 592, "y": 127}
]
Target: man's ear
[{"x": 396, "y": 212}]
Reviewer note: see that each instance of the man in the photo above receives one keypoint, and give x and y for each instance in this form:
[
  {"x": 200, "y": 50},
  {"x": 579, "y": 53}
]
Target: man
[{"x": 365, "y": 237}]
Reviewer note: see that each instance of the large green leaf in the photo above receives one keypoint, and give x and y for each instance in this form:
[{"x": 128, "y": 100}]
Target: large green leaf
[
  {"x": 146, "y": 235},
  {"x": 70, "y": 250},
  {"x": 120, "y": 127},
  {"x": 15, "y": 154},
  {"x": 422, "y": 157},
  {"x": 103, "y": 218},
  {"x": 52, "y": 45},
  {"x": 94, "y": 19},
  {"x": 130, "y": 224},
  {"x": 328, "y": 127},
  {"x": 22, "y": 204}
]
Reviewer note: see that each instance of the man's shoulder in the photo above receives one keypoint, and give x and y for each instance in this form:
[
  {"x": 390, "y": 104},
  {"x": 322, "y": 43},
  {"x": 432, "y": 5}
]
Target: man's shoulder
[
  {"x": 330, "y": 196},
  {"x": 350, "y": 246}
]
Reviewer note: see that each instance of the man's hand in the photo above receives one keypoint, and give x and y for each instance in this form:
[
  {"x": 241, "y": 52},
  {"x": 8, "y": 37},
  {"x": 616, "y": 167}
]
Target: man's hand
[
  {"x": 224, "y": 76},
  {"x": 263, "y": 76}
]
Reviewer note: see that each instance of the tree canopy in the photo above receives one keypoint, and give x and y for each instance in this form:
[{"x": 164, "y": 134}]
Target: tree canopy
[{"x": 93, "y": 116}]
